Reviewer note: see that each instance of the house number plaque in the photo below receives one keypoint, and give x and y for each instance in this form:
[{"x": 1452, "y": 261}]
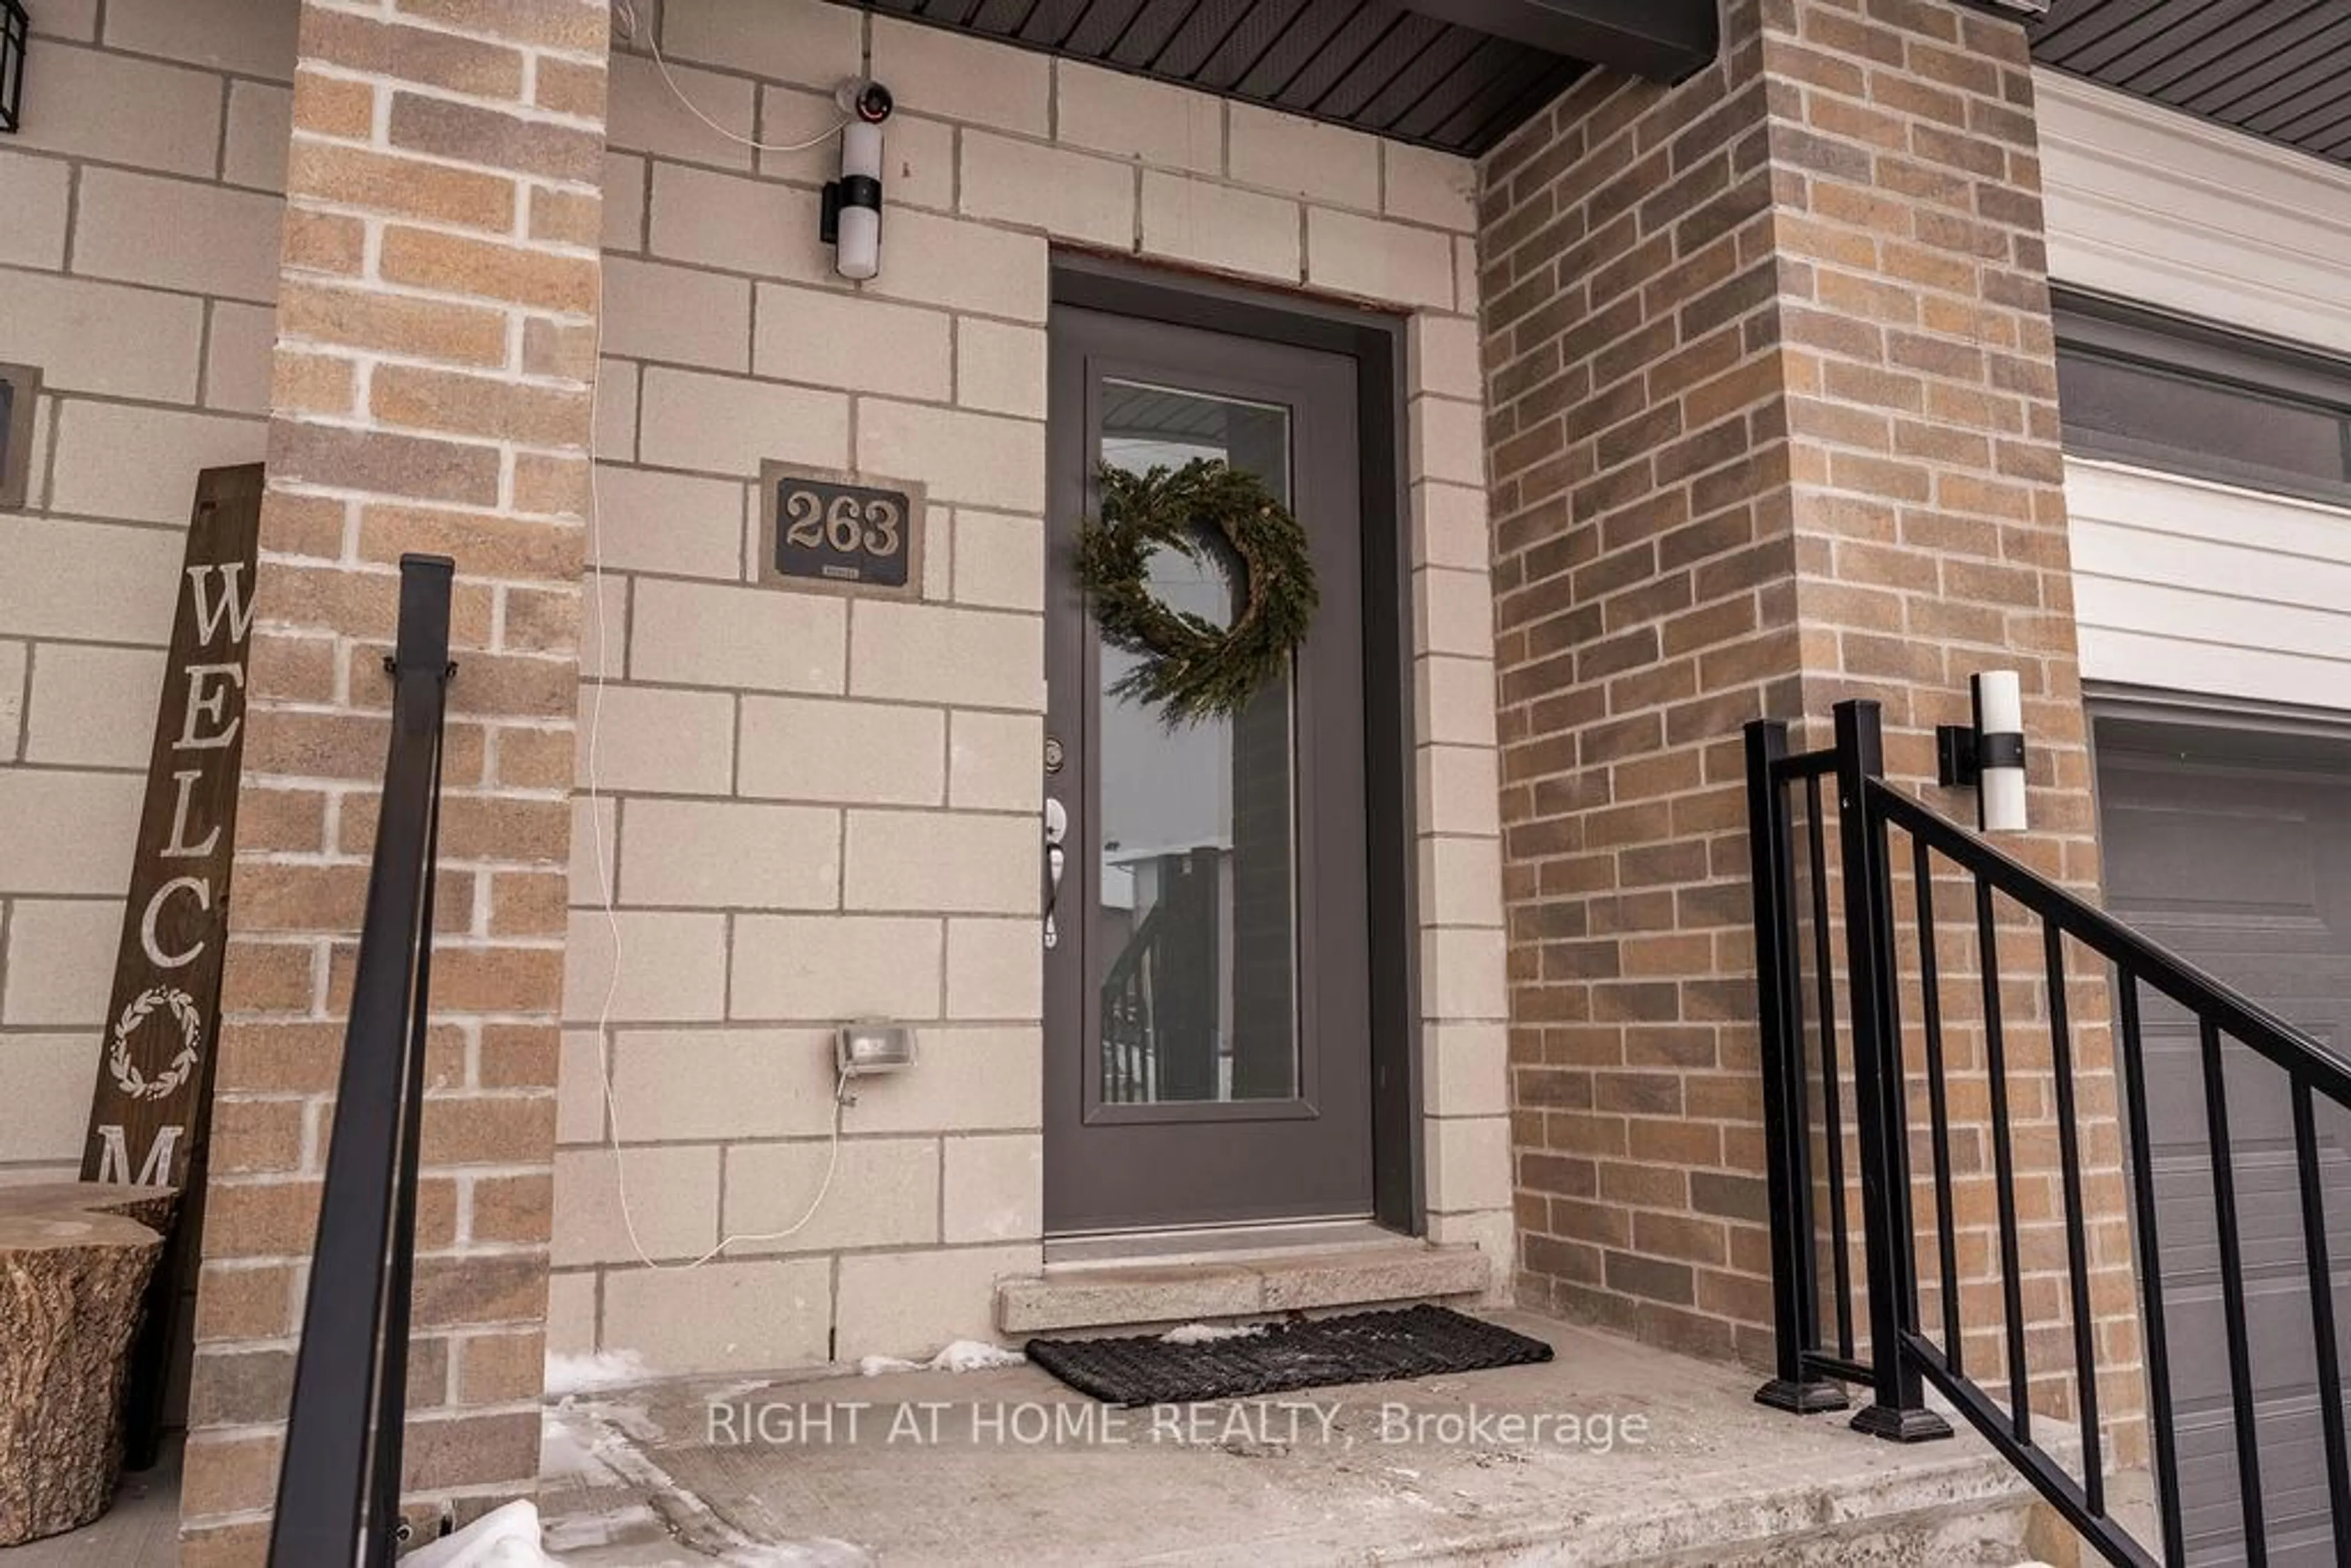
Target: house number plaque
[{"x": 832, "y": 533}]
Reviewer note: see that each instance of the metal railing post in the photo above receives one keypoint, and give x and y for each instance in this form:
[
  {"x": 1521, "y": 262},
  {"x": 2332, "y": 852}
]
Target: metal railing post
[
  {"x": 1897, "y": 1408},
  {"x": 1795, "y": 1302},
  {"x": 338, "y": 1486}
]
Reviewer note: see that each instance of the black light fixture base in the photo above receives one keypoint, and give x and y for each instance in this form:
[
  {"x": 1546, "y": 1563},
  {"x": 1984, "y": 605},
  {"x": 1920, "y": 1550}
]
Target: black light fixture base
[
  {"x": 1961, "y": 755},
  {"x": 849, "y": 191},
  {"x": 1809, "y": 1398},
  {"x": 1957, "y": 764}
]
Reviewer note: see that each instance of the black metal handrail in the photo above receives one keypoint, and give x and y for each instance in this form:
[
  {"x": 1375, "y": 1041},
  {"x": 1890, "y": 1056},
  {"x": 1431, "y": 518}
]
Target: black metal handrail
[
  {"x": 1901, "y": 1358},
  {"x": 2238, "y": 1016},
  {"x": 339, "y": 1487}
]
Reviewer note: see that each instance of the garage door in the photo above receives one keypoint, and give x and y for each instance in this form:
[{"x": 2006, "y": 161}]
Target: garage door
[{"x": 2233, "y": 848}]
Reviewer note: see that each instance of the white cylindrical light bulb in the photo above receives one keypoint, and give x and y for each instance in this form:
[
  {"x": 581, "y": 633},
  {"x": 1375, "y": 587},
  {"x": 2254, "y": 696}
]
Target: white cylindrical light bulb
[
  {"x": 2000, "y": 710},
  {"x": 858, "y": 250}
]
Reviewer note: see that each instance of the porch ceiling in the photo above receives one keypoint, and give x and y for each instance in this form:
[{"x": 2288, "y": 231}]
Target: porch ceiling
[
  {"x": 1375, "y": 65},
  {"x": 2279, "y": 68},
  {"x": 1459, "y": 74}
]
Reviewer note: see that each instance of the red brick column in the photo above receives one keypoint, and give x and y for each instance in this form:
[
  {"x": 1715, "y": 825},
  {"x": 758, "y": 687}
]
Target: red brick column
[
  {"x": 432, "y": 392},
  {"x": 1772, "y": 423}
]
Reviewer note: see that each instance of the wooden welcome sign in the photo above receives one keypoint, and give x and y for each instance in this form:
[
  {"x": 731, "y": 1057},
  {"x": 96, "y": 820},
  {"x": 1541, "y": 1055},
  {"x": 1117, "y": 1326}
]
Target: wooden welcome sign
[{"x": 154, "y": 1080}]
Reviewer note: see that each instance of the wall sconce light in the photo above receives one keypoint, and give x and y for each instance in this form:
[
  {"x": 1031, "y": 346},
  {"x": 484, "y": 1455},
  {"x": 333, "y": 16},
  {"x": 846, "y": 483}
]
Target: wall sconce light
[
  {"x": 15, "y": 33},
  {"x": 871, "y": 1045},
  {"x": 1988, "y": 756},
  {"x": 852, "y": 220}
]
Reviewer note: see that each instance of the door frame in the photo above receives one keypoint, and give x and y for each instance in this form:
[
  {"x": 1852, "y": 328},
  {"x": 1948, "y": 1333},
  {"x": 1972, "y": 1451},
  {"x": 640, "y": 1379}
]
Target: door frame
[{"x": 1377, "y": 342}]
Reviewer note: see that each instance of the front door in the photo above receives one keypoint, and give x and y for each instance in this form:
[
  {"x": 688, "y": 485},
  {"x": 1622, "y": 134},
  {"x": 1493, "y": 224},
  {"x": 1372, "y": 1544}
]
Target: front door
[{"x": 1208, "y": 1024}]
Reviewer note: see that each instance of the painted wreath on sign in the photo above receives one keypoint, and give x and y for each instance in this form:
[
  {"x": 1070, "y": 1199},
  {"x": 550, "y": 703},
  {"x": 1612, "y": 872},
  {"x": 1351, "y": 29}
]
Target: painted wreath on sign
[
  {"x": 127, "y": 1076},
  {"x": 1193, "y": 669}
]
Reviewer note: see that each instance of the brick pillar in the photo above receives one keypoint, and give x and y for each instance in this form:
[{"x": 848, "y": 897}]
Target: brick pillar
[
  {"x": 431, "y": 392},
  {"x": 1773, "y": 423}
]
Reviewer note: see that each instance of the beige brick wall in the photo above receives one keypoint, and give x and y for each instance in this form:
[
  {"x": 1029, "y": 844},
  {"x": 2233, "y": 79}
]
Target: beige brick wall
[
  {"x": 139, "y": 220},
  {"x": 430, "y": 391},
  {"x": 1774, "y": 423},
  {"x": 814, "y": 808}
]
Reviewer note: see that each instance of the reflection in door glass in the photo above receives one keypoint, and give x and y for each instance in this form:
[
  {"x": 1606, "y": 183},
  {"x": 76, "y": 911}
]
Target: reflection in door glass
[{"x": 1195, "y": 944}]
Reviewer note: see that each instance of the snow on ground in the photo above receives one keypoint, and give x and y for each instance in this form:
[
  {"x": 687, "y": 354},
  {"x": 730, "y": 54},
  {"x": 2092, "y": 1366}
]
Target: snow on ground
[
  {"x": 605, "y": 1369},
  {"x": 513, "y": 1537},
  {"x": 595, "y": 1441},
  {"x": 963, "y": 1356},
  {"x": 605, "y": 1445},
  {"x": 568, "y": 1452},
  {"x": 799, "y": 1554},
  {"x": 1208, "y": 1333},
  {"x": 581, "y": 1531},
  {"x": 503, "y": 1537},
  {"x": 599, "y": 1441}
]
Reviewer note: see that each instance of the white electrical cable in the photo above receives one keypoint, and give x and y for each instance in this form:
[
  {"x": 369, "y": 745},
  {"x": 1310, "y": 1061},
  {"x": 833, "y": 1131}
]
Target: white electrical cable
[
  {"x": 604, "y": 889},
  {"x": 627, "y": 12}
]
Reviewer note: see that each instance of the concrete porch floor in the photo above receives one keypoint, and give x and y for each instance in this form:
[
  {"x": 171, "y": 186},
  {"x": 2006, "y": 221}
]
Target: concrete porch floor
[
  {"x": 635, "y": 1480},
  {"x": 1669, "y": 1461}
]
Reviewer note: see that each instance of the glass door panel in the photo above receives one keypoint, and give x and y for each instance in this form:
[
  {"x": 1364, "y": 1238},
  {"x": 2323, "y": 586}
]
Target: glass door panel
[{"x": 1196, "y": 947}]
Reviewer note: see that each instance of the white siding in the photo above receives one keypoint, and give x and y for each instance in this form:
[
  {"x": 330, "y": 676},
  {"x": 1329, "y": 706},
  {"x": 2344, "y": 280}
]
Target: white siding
[
  {"x": 2179, "y": 584},
  {"x": 2149, "y": 204},
  {"x": 2182, "y": 585}
]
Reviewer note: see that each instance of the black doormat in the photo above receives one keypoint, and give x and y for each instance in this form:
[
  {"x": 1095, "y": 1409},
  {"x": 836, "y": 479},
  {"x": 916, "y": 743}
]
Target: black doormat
[{"x": 1364, "y": 1347}]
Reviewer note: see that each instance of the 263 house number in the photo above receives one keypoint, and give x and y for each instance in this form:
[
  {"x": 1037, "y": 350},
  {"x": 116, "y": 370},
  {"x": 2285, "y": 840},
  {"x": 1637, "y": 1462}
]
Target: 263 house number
[
  {"x": 824, "y": 531},
  {"x": 845, "y": 526}
]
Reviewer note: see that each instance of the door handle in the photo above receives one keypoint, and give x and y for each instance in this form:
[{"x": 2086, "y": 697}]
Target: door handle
[{"x": 1057, "y": 827}]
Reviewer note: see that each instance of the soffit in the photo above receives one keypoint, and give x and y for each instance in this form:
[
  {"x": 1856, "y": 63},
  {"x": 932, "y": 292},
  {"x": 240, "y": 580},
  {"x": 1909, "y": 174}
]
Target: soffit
[{"x": 2278, "y": 69}]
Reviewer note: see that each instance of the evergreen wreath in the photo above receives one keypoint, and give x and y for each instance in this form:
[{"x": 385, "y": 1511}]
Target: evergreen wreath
[{"x": 1192, "y": 668}]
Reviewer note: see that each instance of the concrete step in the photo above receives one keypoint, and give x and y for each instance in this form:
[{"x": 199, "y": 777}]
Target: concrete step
[
  {"x": 1148, "y": 1294},
  {"x": 1939, "y": 1505},
  {"x": 1987, "y": 1533}
]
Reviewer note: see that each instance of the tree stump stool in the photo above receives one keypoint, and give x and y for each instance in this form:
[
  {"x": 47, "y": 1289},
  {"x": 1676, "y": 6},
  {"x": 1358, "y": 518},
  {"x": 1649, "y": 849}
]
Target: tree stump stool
[{"x": 74, "y": 1258}]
